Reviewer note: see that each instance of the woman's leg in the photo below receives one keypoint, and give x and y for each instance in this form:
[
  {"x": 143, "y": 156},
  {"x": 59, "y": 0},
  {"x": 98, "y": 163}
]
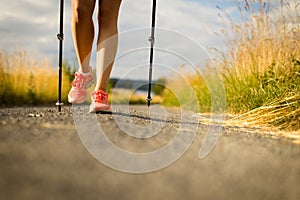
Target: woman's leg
[
  {"x": 107, "y": 40},
  {"x": 83, "y": 31}
]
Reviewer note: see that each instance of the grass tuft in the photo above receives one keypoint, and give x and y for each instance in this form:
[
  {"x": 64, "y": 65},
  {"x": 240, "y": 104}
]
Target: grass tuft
[{"x": 26, "y": 81}]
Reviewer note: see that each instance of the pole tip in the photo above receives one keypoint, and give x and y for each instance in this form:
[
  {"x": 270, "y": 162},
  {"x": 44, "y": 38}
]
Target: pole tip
[
  {"x": 149, "y": 99},
  {"x": 59, "y": 105}
]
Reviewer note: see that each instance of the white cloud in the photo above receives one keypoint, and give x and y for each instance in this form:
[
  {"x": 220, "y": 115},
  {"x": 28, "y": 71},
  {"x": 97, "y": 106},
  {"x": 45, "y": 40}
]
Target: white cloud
[
  {"x": 33, "y": 25},
  {"x": 195, "y": 24}
]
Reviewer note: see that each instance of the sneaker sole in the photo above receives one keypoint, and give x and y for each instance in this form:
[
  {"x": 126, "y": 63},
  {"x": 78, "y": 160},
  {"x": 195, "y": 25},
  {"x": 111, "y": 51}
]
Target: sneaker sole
[{"x": 79, "y": 102}]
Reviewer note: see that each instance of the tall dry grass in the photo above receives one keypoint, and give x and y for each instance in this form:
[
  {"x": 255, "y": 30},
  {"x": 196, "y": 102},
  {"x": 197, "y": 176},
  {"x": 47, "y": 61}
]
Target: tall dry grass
[
  {"x": 261, "y": 69},
  {"x": 24, "y": 80},
  {"x": 264, "y": 55}
]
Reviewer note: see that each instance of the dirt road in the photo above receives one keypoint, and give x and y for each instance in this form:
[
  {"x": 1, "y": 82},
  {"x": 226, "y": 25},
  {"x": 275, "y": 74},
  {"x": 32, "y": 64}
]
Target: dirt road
[{"x": 42, "y": 157}]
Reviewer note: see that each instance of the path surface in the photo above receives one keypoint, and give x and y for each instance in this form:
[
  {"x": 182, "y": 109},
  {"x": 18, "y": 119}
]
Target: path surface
[{"x": 42, "y": 157}]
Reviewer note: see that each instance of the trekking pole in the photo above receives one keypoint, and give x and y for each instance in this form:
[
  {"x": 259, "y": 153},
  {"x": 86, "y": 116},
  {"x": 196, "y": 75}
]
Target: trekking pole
[
  {"x": 151, "y": 40},
  {"x": 60, "y": 37}
]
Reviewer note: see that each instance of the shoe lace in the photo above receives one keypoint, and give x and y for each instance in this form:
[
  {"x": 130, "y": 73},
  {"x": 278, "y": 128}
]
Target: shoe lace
[
  {"x": 78, "y": 82},
  {"x": 99, "y": 96}
]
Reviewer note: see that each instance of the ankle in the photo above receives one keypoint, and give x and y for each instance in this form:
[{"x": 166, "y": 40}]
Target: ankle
[
  {"x": 84, "y": 70},
  {"x": 84, "y": 74}
]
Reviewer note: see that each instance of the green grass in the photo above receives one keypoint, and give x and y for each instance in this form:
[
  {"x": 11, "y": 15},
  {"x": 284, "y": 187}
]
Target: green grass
[{"x": 261, "y": 70}]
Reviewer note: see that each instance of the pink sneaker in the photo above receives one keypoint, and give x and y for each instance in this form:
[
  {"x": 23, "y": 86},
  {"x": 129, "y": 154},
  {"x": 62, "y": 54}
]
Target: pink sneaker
[
  {"x": 80, "y": 84},
  {"x": 99, "y": 101}
]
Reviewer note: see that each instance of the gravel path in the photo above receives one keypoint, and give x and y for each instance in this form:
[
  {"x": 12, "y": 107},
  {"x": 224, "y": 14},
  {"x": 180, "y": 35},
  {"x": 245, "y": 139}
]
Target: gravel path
[{"x": 42, "y": 157}]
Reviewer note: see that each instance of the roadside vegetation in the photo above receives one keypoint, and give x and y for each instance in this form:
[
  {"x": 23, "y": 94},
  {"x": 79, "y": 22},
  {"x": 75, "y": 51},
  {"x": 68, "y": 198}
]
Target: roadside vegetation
[
  {"x": 261, "y": 69},
  {"x": 24, "y": 80}
]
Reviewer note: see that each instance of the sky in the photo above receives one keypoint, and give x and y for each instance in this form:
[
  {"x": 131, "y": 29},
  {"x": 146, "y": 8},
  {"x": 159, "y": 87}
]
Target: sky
[{"x": 186, "y": 28}]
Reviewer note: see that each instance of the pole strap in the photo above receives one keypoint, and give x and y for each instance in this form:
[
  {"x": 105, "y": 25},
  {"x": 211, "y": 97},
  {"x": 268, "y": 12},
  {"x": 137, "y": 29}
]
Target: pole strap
[
  {"x": 60, "y": 36},
  {"x": 151, "y": 39}
]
